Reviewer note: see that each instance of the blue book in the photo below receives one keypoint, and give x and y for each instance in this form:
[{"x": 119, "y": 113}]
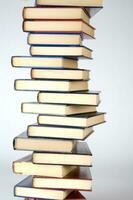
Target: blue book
[{"x": 57, "y": 39}]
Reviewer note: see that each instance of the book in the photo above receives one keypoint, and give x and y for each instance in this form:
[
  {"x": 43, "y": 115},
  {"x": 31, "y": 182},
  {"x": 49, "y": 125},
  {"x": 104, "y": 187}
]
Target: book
[
  {"x": 75, "y": 195},
  {"x": 91, "y": 7},
  {"x": 25, "y": 189},
  {"x": 25, "y": 166},
  {"x": 75, "y": 98},
  {"x": 50, "y": 85},
  {"x": 80, "y": 120},
  {"x": 55, "y": 13},
  {"x": 66, "y": 51},
  {"x": 60, "y": 74},
  {"x": 54, "y": 39},
  {"x": 59, "y": 26},
  {"x": 43, "y": 62},
  {"x": 22, "y": 142},
  {"x": 55, "y": 109},
  {"x": 46, "y": 131},
  {"x": 80, "y": 156},
  {"x": 80, "y": 3},
  {"x": 79, "y": 179}
]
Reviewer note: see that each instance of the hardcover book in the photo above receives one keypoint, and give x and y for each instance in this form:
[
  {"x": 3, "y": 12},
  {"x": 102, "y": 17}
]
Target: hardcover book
[
  {"x": 60, "y": 74},
  {"x": 75, "y": 195},
  {"x": 44, "y": 62},
  {"x": 80, "y": 156},
  {"x": 56, "y": 109},
  {"x": 91, "y": 6},
  {"x": 79, "y": 179},
  {"x": 79, "y": 120},
  {"x": 25, "y": 166},
  {"x": 46, "y": 131},
  {"x": 80, "y": 3},
  {"x": 82, "y": 98},
  {"x": 22, "y": 142},
  {"x": 55, "y": 13},
  {"x": 59, "y": 26},
  {"x": 25, "y": 189},
  {"x": 65, "y": 51},
  {"x": 55, "y": 39},
  {"x": 50, "y": 85}
]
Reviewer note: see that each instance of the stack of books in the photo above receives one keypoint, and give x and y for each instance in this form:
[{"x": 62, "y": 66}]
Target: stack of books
[{"x": 58, "y": 168}]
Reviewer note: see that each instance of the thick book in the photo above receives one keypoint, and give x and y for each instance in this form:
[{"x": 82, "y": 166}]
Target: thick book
[
  {"x": 59, "y": 26},
  {"x": 75, "y": 98},
  {"x": 22, "y": 142},
  {"x": 79, "y": 120},
  {"x": 54, "y": 39},
  {"x": 25, "y": 166},
  {"x": 25, "y": 189},
  {"x": 60, "y": 74},
  {"x": 44, "y": 62},
  {"x": 80, "y": 156},
  {"x": 34, "y": 13},
  {"x": 50, "y": 85},
  {"x": 55, "y": 109},
  {"x": 65, "y": 51},
  {"x": 46, "y": 131},
  {"x": 75, "y": 195},
  {"x": 79, "y": 179}
]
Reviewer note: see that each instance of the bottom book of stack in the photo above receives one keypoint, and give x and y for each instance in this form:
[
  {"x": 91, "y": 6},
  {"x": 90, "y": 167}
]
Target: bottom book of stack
[{"x": 73, "y": 196}]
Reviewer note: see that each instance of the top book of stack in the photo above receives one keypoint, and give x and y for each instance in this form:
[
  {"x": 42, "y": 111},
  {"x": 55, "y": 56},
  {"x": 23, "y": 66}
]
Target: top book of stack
[{"x": 91, "y": 6}]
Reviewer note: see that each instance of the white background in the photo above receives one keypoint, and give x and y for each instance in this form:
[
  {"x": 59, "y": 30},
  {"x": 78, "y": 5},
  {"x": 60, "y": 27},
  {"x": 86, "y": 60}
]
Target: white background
[{"x": 112, "y": 73}]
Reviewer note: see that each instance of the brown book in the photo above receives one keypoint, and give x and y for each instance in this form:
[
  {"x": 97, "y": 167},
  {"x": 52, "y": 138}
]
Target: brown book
[
  {"x": 79, "y": 179},
  {"x": 75, "y": 195}
]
